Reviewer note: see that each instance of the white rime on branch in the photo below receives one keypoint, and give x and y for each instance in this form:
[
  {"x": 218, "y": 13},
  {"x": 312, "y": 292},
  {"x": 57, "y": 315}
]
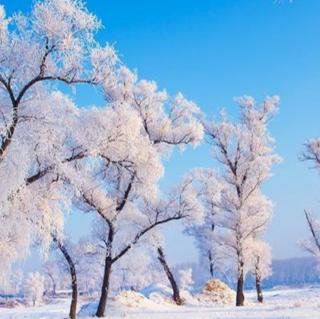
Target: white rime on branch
[{"x": 236, "y": 210}]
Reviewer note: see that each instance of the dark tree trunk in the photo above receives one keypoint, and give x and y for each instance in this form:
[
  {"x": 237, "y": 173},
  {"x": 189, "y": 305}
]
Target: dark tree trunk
[
  {"x": 259, "y": 289},
  {"x": 54, "y": 290},
  {"x": 10, "y": 131},
  {"x": 175, "y": 288},
  {"x": 105, "y": 288},
  {"x": 107, "y": 272},
  {"x": 210, "y": 264},
  {"x": 240, "y": 284},
  {"x": 312, "y": 229},
  {"x": 211, "y": 268},
  {"x": 74, "y": 284}
]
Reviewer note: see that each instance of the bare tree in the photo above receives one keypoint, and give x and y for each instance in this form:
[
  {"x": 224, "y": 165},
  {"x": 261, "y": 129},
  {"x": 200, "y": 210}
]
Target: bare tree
[{"x": 312, "y": 245}]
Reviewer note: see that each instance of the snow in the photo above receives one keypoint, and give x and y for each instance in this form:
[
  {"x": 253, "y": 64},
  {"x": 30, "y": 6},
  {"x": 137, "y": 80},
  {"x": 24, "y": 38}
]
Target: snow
[
  {"x": 158, "y": 293},
  {"x": 279, "y": 304},
  {"x": 132, "y": 299}
]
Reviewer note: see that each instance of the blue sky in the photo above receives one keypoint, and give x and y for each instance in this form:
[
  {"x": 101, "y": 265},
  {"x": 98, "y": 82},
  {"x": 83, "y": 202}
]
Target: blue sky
[{"x": 214, "y": 50}]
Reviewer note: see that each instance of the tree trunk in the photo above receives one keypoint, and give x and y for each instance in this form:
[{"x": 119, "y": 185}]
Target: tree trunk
[
  {"x": 74, "y": 283},
  {"x": 210, "y": 264},
  {"x": 54, "y": 290},
  {"x": 240, "y": 284},
  {"x": 107, "y": 272},
  {"x": 105, "y": 288},
  {"x": 211, "y": 268},
  {"x": 175, "y": 288},
  {"x": 7, "y": 139},
  {"x": 259, "y": 289}
]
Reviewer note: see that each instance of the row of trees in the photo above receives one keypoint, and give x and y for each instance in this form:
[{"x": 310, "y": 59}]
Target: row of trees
[{"x": 106, "y": 161}]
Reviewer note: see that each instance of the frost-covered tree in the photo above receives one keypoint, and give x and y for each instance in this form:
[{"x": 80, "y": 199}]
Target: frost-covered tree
[
  {"x": 312, "y": 245},
  {"x": 16, "y": 280},
  {"x": 120, "y": 231},
  {"x": 53, "y": 44},
  {"x": 185, "y": 276},
  {"x": 71, "y": 255},
  {"x": 117, "y": 180},
  {"x": 105, "y": 160},
  {"x": 260, "y": 261},
  {"x": 208, "y": 186},
  {"x": 244, "y": 151},
  {"x": 132, "y": 272},
  {"x": 172, "y": 280},
  {"x": 65, "y": 249},
  {"x": 13, "y": 286},
  {"x": 30, "y": 216},
  {"x": 187, "y": 188},
  {"x": 312, "y": 152},
  {"x": 89, "y": 262},
  {"x": 158, "y": 243},
  {"x": 34, "y": 288},
  {"x": 52, "y": 274}
]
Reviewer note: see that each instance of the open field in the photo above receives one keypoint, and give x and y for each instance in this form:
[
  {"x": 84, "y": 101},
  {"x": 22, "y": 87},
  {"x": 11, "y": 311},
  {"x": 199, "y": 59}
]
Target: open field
[{"x": 280, "y": 304}]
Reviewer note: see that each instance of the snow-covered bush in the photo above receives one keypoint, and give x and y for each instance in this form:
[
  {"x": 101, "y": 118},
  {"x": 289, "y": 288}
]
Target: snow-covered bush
[{"x": 34, "y": 288}]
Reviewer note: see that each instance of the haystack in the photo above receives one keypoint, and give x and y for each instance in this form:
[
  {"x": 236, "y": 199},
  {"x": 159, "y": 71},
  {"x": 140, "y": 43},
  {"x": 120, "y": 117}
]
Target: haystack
[{"x": 216, "y": 292}]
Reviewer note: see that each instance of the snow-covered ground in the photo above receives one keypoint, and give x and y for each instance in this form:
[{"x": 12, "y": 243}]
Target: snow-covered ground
[{"x": 279, "y": 304}]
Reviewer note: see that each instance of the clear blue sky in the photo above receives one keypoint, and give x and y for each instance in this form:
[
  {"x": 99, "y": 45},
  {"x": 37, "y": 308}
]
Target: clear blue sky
[{"x": 213, "y": 50}]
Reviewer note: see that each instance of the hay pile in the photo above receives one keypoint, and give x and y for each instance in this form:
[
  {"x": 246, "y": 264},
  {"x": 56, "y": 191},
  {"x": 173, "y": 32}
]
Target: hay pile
[{"x": 216, "y": 292}]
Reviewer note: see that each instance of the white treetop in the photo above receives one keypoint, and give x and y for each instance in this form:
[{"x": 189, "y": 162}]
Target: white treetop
[
  {"x": 186, "y": 281},
  {"x": 208, "y": 186},
  {"x": 39, "y": 127},
  {"x": 34, "y": 288},
  {"x": 245, "y": 151},
  {"x": 260, "y": 259}
]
